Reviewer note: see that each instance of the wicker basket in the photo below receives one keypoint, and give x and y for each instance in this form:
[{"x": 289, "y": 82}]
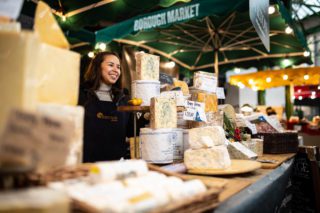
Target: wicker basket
[{"x": 279, "y": 143}]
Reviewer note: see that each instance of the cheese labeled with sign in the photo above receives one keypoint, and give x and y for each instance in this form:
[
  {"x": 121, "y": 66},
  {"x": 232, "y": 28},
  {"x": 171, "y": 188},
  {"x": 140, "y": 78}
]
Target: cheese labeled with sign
[
  {"x": 163, "y": 113},
  {"x": 216, "y": 157},
  {"x": 147, "y": 66},
  {"x": 210, "y": 100}
]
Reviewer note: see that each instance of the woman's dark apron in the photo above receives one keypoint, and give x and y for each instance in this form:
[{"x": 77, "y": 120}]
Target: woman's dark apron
[{"x": 104, "y": 132}]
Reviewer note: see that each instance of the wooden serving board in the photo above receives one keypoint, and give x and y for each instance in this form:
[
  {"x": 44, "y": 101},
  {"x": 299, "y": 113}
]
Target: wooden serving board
[
  {"x": 278, "y": 158},
  {"x": 237, "y": 167}
]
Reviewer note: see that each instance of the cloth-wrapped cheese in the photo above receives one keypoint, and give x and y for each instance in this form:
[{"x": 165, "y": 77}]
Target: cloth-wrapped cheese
[
  {"x": 216, "y": 157},
  {"x": 205, "y": 137}
]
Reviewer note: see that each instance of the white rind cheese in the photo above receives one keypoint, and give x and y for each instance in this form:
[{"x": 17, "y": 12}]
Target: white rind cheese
[
  {"x": 163, "y": 113},
  {"x": 147, "y": 66},
  {"x": 216, "y": 157},
  {"x": 145, "y": 90},
  {"x": 157, "y": 145},
  {"x": 199, "y": 137}
]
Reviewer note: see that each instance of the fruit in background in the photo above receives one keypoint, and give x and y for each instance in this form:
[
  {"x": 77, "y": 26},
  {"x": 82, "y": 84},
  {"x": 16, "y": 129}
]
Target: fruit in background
[{"x": 135, "y": 102}]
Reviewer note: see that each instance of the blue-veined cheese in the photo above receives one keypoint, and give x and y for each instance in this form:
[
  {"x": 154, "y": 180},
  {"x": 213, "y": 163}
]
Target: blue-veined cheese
[
  {"x": 163, "y": 113},
  {"x": 240, "y": 151},
  {"x": 216, "y": 157},
  {"x": 147, "y": 66},
  {"x": 177, "y": 96}
]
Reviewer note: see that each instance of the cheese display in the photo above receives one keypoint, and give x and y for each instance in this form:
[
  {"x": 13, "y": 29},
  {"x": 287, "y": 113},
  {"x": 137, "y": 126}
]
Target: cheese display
[
  {"x": 239, "y": 151},
  {"x": 183, "y": 85},
  {"x": 205, "y": 81},
  {"x": 205, "y": 137},
  {"x": 177, "y": 96},
  {"x": 216, "y": 157},
  {"x": 210, "y": 100},
  {"x": 142, "y": 192},
  {"x": 118, "y": 170},
  {"x": 163, "y": 113},
  {"x": 34, "y": 200},
  {"x": 186, "y": 144},
  {"x": 75, "y": 114},
  {"x": 157, "y": 145},
  {"x": 35, "y": 78},
  {"x": 213, "y": 119},
  {"x": 147, "y": 66},
  {"x": 145, "y": 90},
  {"x": 178, "y": 144}
]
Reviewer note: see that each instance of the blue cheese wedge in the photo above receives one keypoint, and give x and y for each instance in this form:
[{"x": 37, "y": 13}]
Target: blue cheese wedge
[
  {"x": 163, "y": 113},
  {"x": 216, "y": 157},
  {"x": 239, "y": 151}
]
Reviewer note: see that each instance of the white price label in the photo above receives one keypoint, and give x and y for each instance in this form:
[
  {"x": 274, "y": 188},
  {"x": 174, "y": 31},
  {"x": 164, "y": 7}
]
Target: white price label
[
  {"x": 220, "y": 93},
  {"x": 10, "y": 8},
  {"x": 194, "y": 111}
]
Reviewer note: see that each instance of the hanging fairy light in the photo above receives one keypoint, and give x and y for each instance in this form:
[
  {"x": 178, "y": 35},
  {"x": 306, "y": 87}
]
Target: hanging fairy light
[
  {"x": 251, "y": 81},
  {"x": 255, "y": 88},
  {"x": 91, "y": 54},
  {"x": 300, "y": 97},
  {"x": 306, "y": 53},
  {"x": 268, "y": 80},
  {"x": 299, "y": 90},
  {"x": 271, "y": 9},
  {"x": 285, "y": 77},
  {"x": 313, "y": 95},
  {"x": 102, "y": 46},
  {"x": 306, "y": 77},
  {"x": 170, "y": 64},
  {"x": 288, "y": 30}
]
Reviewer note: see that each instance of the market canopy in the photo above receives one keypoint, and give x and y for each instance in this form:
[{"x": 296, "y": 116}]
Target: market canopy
[
  {"x": 205, "y": 33},
  {"x": 266, "y": 79}
]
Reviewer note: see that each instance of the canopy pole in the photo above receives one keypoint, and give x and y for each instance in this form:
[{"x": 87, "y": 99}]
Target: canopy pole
[
  {"x": 216, "y": 65},
  {"x": 289, "y": 104}
]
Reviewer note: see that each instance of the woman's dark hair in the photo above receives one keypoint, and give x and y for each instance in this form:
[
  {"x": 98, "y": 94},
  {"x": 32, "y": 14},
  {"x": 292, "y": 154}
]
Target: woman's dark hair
[{"x": 93, "y": 75}]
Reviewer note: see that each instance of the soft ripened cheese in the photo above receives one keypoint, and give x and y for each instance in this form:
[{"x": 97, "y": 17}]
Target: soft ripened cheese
[
  {"x": 210, "y": 100},
  {"x": 145, "y": 89},
  {"x": 34, "y": 200},
  {"x": 43, "y": 73},
  {"x": 199, "y": 137},
  {"x": 216, "y": 157},
  {"x": 239, "y": 151},
  {"x": 76, "y": 115},
  {"x": 205, "y": 81},
  {"x": 157, "y": 145},
  {"x": 163, "y": 113},
  {"x": 183, "y": 85},
  {"x": 147, "y": 66}
]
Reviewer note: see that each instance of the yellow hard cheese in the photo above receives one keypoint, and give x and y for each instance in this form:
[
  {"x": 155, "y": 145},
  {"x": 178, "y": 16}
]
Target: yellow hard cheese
[{"x": 210, "y": 100}]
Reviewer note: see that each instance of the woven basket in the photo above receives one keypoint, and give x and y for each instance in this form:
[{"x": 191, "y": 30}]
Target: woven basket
[{"x": 279, "y": 143}]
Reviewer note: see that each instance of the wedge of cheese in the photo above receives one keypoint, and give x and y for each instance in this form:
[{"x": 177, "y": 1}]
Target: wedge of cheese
[
  {"x": 216, "y": 157},
  {"x": 201, "y": 137},
  {"x": 209, "y": 99},
  {"x": 163, "y": 113},
  {"x": 239, "y": 151}
]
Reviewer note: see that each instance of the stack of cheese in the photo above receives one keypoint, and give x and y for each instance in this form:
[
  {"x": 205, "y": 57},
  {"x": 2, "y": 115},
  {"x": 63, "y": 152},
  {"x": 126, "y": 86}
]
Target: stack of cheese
[
  {"x": 163, "y": 142},
  {"x": 207, "y": 149},
  {"x": 37, "y": 68},
  {"x": 204, "y": 88},
  {"x": 128, "y": 186},
  {"x": 147, "y": 84}
]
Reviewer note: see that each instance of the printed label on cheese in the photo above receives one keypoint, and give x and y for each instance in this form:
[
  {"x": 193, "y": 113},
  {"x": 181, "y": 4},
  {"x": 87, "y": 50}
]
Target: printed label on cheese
[
  {"x": 194, "y": 111},
  {"x": 220, "y": 93}
]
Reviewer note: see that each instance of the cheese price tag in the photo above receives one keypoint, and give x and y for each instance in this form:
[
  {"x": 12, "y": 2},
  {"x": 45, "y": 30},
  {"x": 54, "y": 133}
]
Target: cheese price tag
[
  {"x": 252, "y": 127},
  {"x": 194, "y": 111},
  {"x": 220, "y": 93}
]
